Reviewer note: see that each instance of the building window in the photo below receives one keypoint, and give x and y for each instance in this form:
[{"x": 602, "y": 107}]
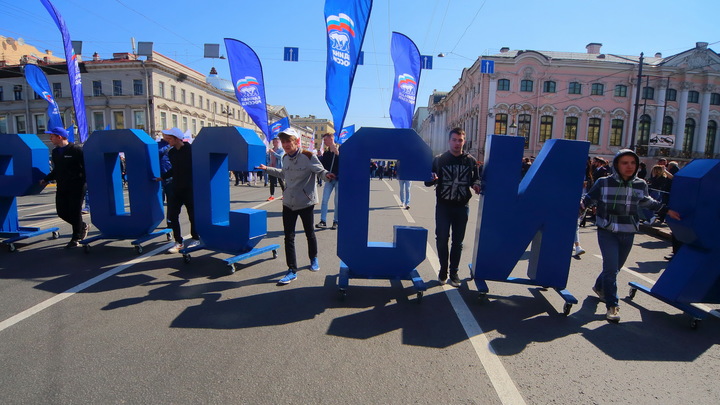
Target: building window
[
  {"x": 3, "y": 124},
  {"x": 667, "y": 125},
  {"x": 163, "y": 120},
  {"x": 648, "y": 93},
  {"x": 139, "y": 118},
  {"x": 594, "y": 131},
  {"x": 161, "y": 89},
  {"x": 194, "y": 126},
  {"x": 571, "y": 126},
  {"x": 192, "y": 99},
  {"x": 117, "y": 88},
  {"x": 57, "y": 90},
  {"x": 526, "y": 85},
  {"x": 546, "y": 127},
  {"x": 689, "y": 135},
  {"x": 184, "y": 124},
  {"x": 597, "y": 89},
  {"x": 40, "y": 123},
  {"x": 119, "y": 119},
  {"x": 172, "y": 92},
  {"x": 714, "y": 99},
  {"x": 37, "y": 96},
  {"x": 97, "y": 88},
  {"x": 524, "y": 121},
  {"x": 215, "y": 110},
  {"x": 17, "y": 92},
  {"x": 98, "y": 120},
  {"x": 693, "y": 97},
  {"x": 182, "y": 96},
  {"x": 200, "y": 100},
  {"x": 616, "y": 132},
  {"x": 671, "y": 95},
  {"x": 644, "y": 130},
  {"x": 20, "y": 124},
  {"x": 174, "y": 119},
  {"x": 710, "y": 140},
  {"x": 575, "y": 88},
  {"x": 207, "y": 104},
  {"x": 503, "y": 85},
  {"x": 501, "y": 121},
  {"x": 620, "y": 90},
  {"x": 202, "y": 124},
  {"x": 138, "y": 89},
  {"x": 549, "y": 86}
]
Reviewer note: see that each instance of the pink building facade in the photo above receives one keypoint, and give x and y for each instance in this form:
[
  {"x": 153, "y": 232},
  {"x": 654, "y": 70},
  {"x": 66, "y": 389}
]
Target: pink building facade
[{"x": 585, "y": 96}]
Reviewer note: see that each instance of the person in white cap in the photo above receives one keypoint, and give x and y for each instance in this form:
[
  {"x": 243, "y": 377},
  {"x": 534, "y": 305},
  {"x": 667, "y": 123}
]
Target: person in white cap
[
  {"x": 182, "y": 194},
  {"x": 299, "y": 170},
  {"x": 69, "y": 173}
]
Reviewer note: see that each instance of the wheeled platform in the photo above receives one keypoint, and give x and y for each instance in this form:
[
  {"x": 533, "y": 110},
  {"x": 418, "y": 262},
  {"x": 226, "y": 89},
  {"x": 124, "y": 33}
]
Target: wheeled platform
[
  {"x": 25, "y": 232},
  {"x": 346, "y": 274},
  {"x": 234, "y": 259},
  {"x": 696, "y": 313},
  {"x": 137, "y": 243}
]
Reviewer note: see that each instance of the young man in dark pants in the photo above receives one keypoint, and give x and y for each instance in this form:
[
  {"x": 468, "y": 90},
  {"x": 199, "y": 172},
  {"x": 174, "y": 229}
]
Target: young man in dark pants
[
  {"x": 299, "y": 170},
  {"x": 453, "y": 174},
  {"x": 69, "y": 173},
  {"x": 182, "y": 187}
]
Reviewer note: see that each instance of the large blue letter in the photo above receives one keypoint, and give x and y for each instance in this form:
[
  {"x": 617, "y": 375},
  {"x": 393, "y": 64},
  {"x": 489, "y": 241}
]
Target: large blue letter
[
  {"x": 408, "y": 248},
  {"x": 23, "y": 163},
  {"x": 542, "y": 210},
  {"x": 215, "y": 151},
  {"x": 693, "y": 275},
  {"x": 102, "y": 168}
]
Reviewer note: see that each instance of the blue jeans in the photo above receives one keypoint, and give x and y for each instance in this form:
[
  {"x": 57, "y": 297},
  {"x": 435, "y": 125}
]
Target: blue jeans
[
  {"x": 449, "y": 216},
  {"x": 615, "y": 248},
  {"x": 405, "y": 192},
  {"x": 329, "y": 187}
]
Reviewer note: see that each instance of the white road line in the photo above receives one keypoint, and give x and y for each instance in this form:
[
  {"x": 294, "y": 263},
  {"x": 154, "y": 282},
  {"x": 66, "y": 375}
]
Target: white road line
[
  {"x": 504, "y": 386},
  {"x": 387, "y": 183},
  {"x": 423, "y": 188},
  {"x": 405, "y": 212},
  {"x": 651, "y": 283},
  {"x": 36, "y": 207}
]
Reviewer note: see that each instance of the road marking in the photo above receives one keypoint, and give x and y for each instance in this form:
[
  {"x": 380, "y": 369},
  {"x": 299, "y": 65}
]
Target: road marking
[
  {"x": 37, "y": 206},
  {"x": 504, "y": 386},
  {"x": 423, "y": 189},
  {"x": 651, "y": 283},
  {"x": 405, "y": 212},
  {"x": 387, "y": 183}
]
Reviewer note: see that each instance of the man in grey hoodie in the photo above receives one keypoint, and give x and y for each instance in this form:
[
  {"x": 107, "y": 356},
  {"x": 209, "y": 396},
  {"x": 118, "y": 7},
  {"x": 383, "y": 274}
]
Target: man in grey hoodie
[{"x": 299, "y": 170}]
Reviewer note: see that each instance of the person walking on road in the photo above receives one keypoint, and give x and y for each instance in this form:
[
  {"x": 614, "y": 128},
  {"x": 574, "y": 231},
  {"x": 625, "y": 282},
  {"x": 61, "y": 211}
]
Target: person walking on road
[
  {"x": 299, "y": 170},
  {"x": 69, "y": 173},
  {"x": 275, "y": 155},
  {"x": 618, "y": 198},
  {"x": 330, "y": 160},
  {"x": 454, "y": 173}
]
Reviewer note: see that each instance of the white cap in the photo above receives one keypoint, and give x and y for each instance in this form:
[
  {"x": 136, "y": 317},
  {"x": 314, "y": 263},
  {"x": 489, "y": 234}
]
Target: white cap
[
  {"x": 289, "y": 133},
  {"x": 176, "y": 132}
]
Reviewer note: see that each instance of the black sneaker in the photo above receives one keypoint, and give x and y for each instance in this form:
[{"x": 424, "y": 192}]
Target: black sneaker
[
  {"x": 72, "y": 244},
  {"x": 84, "y": 232},
  {"x": 321, "y": 224},
  {"x": 442, "y": 278},
  {"x": 454, "y": 279},
  {"x": 334, "y": 225}
]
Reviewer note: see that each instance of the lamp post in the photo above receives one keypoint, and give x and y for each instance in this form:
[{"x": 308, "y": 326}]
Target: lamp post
[{"x": 520, "y": 130}]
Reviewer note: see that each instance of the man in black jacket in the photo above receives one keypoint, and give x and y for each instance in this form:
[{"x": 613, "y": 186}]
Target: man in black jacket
[
  {"x": 69, "y": 173},
  {"x": 453, "y": 174}
]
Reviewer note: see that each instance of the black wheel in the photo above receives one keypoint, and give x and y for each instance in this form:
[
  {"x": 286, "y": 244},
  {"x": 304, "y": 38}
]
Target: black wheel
[
  {"x": 86, "y": 248},
  {"x": 11, "y": 247},
  {"x": 186, "y": 258},
  {"x": 274, "y": 252},
  {"x": 231, "y": 268},
  {"x": 694, "y": 323},
  {"x": 138, "y": 249},
  {"x": 631, "y": 293},
  {"x": 55, "y": 234},
  {"x": 566, "y": 308},
  {"x": 419, "y": 296},
  {"x": 342, "y": 293}
]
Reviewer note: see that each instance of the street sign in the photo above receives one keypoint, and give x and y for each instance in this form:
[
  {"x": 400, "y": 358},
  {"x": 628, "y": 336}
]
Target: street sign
[
  {"x": 487, "y": 66},
  {"x": 426, "y": 62},
  {"x": 291, "y": 54}
]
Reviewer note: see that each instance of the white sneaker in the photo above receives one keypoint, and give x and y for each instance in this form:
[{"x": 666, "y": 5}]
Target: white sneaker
[
  {"x": 176, "y": 248},
  {"x": 613, "y": 314},
  {"x": 192, "y": 243},
  {"x": 578, "y": 250}
]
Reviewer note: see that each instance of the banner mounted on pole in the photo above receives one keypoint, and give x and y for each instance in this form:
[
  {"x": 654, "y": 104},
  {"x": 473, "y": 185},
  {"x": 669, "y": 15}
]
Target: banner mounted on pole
[
  {"x": 346, "y": 22},
  {"x": 73, "y": 72},
  {"x": 406, "y": 59},
  {"x": 278, "y": 126},
  {"x": 37, "y": 80},
  {"x": 345, "y": 133},
  {"x": 247, "y": 76}
]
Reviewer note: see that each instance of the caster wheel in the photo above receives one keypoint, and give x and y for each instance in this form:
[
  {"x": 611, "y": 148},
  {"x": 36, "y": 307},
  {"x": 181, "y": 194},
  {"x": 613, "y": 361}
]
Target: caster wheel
[
  {"x": 631, "y": 294},
  {"x": 55, "y": 234},
  {"x": 138, "y": 249},
  {"x": 168, "y": 236},
  {"x": 694, "y": 323},
  {"x": 11, "y": 247},
  {"x": 274, "y": 253},
  {"x": 186, "y": 258},
  {"x": 342, "y": 294},
  {"x": 86, "y": 248},
  {"x": 231, "y": 268},
  {"x": 566, "y": 309},
  {"x": 419, "y": 296}
]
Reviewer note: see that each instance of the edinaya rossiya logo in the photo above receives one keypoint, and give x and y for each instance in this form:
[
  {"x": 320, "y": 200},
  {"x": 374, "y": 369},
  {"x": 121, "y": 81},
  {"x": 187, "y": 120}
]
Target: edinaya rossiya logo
[
  {"x": 408, "y": 86},
  {"x": 340, "y": 31},
  {"x": 276, "y": 128},
  {"x": 247, "y": 87}
]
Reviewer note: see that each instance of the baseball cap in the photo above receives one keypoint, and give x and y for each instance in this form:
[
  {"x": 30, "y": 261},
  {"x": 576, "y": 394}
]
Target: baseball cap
[
  {"x": 176, "y": 132},
  {"x": 59, "y": 131},
  {"x": 288, "y": 133}
]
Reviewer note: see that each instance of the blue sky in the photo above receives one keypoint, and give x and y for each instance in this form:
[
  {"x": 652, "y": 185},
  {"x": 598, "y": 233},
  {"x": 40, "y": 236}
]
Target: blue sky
[{"x": 462, "y": 29}]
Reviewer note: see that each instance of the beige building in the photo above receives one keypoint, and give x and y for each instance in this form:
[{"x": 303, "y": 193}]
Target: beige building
[{"x": 317, "y": 126}]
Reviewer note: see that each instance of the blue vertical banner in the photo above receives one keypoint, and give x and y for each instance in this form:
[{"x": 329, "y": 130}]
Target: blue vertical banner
[
  {"x": 37, "y": 80},
  {"x": 406, "y": 58},
  {"x": 344, "y": 134},
  {"x": 247, "y": 76},
  {"x": 73, "y": 72},
  {"x": 278, "y": 126},
  {"x": 346, "y": 22}
]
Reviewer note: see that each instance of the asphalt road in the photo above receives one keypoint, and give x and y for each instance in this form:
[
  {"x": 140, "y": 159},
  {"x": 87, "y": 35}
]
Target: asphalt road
[{"x": 152, "y": 329}]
